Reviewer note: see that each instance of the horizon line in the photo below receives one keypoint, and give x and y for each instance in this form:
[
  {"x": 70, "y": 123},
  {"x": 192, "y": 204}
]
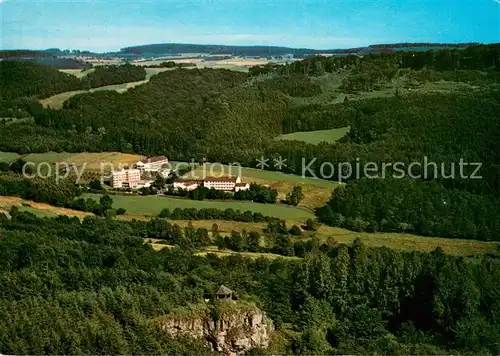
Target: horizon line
[{"x": 250, "y": 46}]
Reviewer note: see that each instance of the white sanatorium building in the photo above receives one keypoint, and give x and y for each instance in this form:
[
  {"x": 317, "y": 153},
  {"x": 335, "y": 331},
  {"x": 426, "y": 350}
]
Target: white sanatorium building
[
  {"x": 152, "y": 164},
  {"x": 218, "y": 183}
]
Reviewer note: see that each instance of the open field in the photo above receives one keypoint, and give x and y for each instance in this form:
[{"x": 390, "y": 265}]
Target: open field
[
  {"x": 317, "y": 191},
  {"x": 315, "y": 137},
  {"x": 39, "y": 209},
  {"x": 92, "y": 160},
  {"x": 152, "y": 205},
  {"x": 57, "y": 101}
]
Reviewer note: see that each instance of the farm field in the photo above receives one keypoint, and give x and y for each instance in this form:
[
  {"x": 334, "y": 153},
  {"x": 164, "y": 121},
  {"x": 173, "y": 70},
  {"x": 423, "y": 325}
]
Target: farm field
[
  {"x": 39, "y": 209},
  {"x": 317, "y": 191},
  {"x": 77, "y": 72},
  {"x": 57, "y": 101},
  {"x": 152, "y": 205},
  {"x": 315, "y": 137}
]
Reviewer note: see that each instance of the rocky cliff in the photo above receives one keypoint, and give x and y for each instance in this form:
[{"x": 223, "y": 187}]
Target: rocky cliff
[{"x": 229, "y": 330}]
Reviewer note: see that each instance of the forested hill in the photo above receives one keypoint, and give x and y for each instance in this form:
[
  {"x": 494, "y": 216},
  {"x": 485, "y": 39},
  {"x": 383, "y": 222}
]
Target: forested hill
[
  {"x": 25, "y": 79},
  {"x": 19, "y": 79}
]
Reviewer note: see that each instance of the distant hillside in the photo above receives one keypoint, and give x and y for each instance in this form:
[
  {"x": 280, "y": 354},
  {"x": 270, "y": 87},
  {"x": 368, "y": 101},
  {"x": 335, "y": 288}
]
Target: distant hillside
[
  {"x": 267, "y": 51},
  {"x": 176, "y": 48},
  {"x": 22, "y": 53}
]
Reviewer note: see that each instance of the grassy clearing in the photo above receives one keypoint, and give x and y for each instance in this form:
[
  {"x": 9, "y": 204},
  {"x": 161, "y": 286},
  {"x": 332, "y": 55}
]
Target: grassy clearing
[
  {"x": 158, "y": 246},
  {"x": 225, "y": 253},
  {"x": 57, "y": 101},
  {"x": 152, "y": 205},
  {"x": 396, "y": 241},
  {"x": 408, "y": 242},
  {"x": 315, "y": 137},
  {"x": 317, "y": 191},
  {"x": 8, "y": 157}
]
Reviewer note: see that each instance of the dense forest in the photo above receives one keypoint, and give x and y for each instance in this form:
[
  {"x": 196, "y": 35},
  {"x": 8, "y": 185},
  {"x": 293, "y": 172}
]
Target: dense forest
[
  {"x": 46, "y": 190},
  {"x": 24, "y": 79},
  {"x": 94, "y": 287},
  {"x": 228, "y": 116}
]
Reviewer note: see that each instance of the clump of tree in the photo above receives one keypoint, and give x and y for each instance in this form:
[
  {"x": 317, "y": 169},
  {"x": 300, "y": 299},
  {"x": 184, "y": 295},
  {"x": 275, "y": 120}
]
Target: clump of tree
[
  {"x": 257, "y": 193},
  {"x": 213, "y": 214},
  {"x": 102, "y": 208},
  {"x": 18, "y": 166},
  {"x": 295, "y": 196},
  {"x": 113, "y": 74},
  {"x": 56, "y": 192}
]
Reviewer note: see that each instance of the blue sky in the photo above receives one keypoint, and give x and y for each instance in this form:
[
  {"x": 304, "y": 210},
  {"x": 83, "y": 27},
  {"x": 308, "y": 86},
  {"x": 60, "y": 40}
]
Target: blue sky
[{"x": 108, "y": 25}]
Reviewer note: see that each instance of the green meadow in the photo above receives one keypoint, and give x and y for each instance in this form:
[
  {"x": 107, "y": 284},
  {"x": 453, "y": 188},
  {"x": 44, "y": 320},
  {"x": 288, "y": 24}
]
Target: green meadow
[
  {"x": 8, "y": 156},
  {"x": 152, "y": 205},
  {"x": 315, "y": 137}
]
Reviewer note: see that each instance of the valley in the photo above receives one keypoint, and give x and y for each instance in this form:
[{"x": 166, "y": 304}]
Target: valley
[{"x": 300, "y": 250}]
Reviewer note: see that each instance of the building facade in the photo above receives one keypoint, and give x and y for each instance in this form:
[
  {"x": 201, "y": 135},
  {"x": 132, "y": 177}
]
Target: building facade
[
  {"x": 218, "y": 183},
  {"x": 187, "y": 184},
  {"x": 152, "y": 164},
  {"x": 225, "y": 184}
]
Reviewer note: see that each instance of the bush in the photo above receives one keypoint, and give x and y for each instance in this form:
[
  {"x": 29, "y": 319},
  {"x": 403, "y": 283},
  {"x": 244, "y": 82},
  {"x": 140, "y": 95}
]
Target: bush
[
  {"x": 120, "y": 211},
  {"x": 296, "y": 231}
]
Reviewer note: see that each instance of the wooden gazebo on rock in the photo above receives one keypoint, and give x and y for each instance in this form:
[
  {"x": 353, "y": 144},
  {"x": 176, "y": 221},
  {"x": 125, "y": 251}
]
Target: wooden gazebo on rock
[{"x": 225, "y": 294}]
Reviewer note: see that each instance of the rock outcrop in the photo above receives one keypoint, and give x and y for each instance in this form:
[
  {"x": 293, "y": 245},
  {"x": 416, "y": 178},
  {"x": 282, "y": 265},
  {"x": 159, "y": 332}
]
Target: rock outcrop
[{"x": 231, "y": 331}]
